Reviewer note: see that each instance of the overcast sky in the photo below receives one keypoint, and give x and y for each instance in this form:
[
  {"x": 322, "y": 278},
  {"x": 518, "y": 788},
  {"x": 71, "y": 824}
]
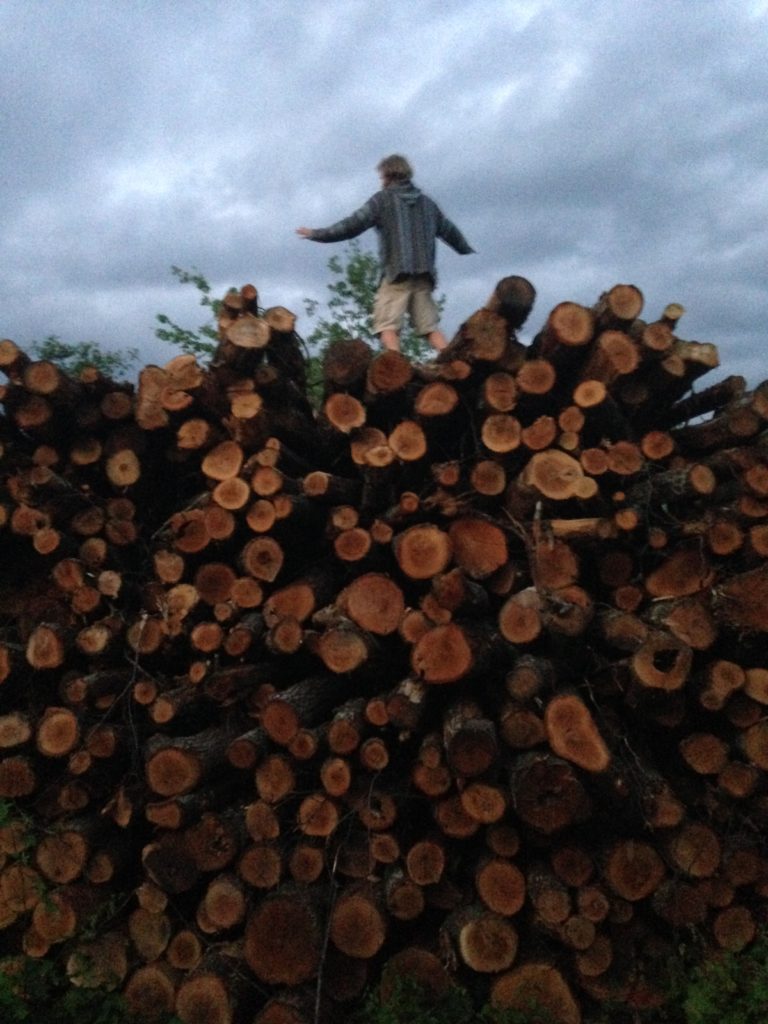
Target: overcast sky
[{"x": 581, "y": 143}]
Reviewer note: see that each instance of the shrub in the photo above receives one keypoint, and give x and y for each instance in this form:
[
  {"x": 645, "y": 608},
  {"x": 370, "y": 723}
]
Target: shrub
[{"x": 730, "y": 989}]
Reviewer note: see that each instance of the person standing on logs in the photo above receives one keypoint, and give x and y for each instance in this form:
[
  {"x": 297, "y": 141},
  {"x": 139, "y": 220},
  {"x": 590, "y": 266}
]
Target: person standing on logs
[{"x": 408, "y": 223}]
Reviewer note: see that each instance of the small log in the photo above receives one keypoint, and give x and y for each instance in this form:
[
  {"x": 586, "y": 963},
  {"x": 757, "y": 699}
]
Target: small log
[
  {"x": 662, "y": 662},
  {"x": 541, "y": 434},
  {"x": 150, "y": 991},
  {"x": 704, "y": 753},
  {"x": 501, "y": 885},
  {"x": 633, "y": 869},
  {"x": 177, "y": 766},
  {"x": 536, "y": 377},
  {"x": 436, "y": 399},
  {"x": 621, "y": 304},
  {"x": 13, "y": 361},
  {"x": 422, "y": 551},
  {"x": 447, "y": 653},
  {"x": 501, "y": 433},
  {"x": 425, "y": 861},
  {"x": 554, "y": 474},
  {"x": 502, "y": 839},
  {"x": 569, "y": 326},
  {"x": 484, "y": 801},
  {"x": 479, "y": 546},
  {"x": 306, "y": 861},
  {"x": 15, "y": 730},
  {"x": 408, "y": 441},
  {"x": 357, "y": 924},
  {"x": 290, "y": 1007},
  {"x": 304, "y": 704},
  {"x": 512, "y": 298},
  {"x": 688, "y": 618},
  {"x": 573, "y": 734},
  {"x": 709, "y": 399},
  {"x": 520, "y": 727},
  {"x": 344, "y": 413},
  {"x": 488, "y": 478},
  {"x": 149, "y": 932},
  {"x": 102, "y": 964},
  {"x": 486, "y": 942},
  {"x": 262, "y": 558},
  {"x": 374, "y": 602},
  {"x": 336, "y": 776},
  {"x": 520, "y": 620},
  {"x": 57, "y": 732},
  {"x": 530, "y": 676},
  {"x": 318, "y": 815},
  {"x": 740, "y": 601},
  {"x": 483, "y": 337},
  {"x": 721, "y": 679},
  {"x": 275, "y": 778},
  {"x": 283, "y": 939},
  {"x": 62, "y": 855},
  {"x": 344, "y": 648},
  {"x": 547, "y": 794},
  {"x": 755, "y": 743},
  {"x": 500, "y": 392},
  {"x": 593, "y": 903},
  {"x": 46, "y": 647},
  {"x": 470, "y": 740},
  {"x": 421, "y": 966},
  {"x": 404, "y": 898},
  {"x": 734, "y": 928},
  {"x": 538, "y": 988},
  {"x": 209, "y": 992},
  {"x": 680, "y": 903},
  {"x": 18, "y": 777},
  {"x": 695, "y": 849},
  {"x": 260, "y": 865},
  {"x": 596, "y": 959},
  {"x": 612, "y": 355}
]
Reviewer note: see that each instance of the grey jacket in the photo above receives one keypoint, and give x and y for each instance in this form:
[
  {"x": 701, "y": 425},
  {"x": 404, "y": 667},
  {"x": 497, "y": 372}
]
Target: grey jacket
[{"x": 408, "y": 222}]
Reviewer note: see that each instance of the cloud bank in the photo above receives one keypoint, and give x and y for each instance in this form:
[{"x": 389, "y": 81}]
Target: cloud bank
[{"x": 581, "y": 145}]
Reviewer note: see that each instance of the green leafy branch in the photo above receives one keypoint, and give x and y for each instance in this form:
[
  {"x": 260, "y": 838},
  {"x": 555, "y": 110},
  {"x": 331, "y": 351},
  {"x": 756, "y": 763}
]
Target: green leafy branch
[{"x": 203, "y": 340}]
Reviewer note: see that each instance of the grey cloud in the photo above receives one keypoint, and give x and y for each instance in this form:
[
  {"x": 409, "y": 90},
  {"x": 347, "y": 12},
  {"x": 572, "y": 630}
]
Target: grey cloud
[{"x": 581, "y": 144}]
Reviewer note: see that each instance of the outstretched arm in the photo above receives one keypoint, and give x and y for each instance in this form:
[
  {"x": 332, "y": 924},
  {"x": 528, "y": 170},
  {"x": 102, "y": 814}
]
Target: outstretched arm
[
  {"x": 349, "y": 227},
  {"x": 451, "y": 235}
]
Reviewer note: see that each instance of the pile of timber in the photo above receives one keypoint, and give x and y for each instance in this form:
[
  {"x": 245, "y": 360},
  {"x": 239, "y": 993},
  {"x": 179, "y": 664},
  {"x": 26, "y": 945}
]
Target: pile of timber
[{"x": 462, "y": 676}]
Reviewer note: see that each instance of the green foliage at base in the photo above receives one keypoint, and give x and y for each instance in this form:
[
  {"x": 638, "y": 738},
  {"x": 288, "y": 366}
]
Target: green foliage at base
[
  {"x": 408, "y": 1003},
  {"x": 38, "y": 992},
  {"x": 732, "y": 989}
]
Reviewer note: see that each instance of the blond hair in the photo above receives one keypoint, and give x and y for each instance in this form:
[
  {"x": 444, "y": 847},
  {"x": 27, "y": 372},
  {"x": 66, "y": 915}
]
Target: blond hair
[{"x": 395, "y": 168}]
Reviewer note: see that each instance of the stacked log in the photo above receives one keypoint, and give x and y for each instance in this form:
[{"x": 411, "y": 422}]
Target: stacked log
[{"x": 461, "y": 676}]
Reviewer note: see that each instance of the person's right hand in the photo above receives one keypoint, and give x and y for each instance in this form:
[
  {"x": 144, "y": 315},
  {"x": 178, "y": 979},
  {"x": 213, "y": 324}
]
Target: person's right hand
[{"x": 304, "y": 232}]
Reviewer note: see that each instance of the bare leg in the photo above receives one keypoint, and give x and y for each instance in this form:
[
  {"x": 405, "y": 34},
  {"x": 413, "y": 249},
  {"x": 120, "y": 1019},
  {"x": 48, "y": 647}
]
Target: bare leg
[
  {"x": 437, "y": 340},
  {"x": 390, "y": 339}
]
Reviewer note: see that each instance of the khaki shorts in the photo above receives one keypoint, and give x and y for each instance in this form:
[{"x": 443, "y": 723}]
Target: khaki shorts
[{"x": 412, "y": 295}]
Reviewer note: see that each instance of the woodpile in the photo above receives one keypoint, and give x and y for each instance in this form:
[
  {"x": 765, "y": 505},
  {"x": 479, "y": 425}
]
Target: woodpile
[{"x": 462, "y": 676}]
